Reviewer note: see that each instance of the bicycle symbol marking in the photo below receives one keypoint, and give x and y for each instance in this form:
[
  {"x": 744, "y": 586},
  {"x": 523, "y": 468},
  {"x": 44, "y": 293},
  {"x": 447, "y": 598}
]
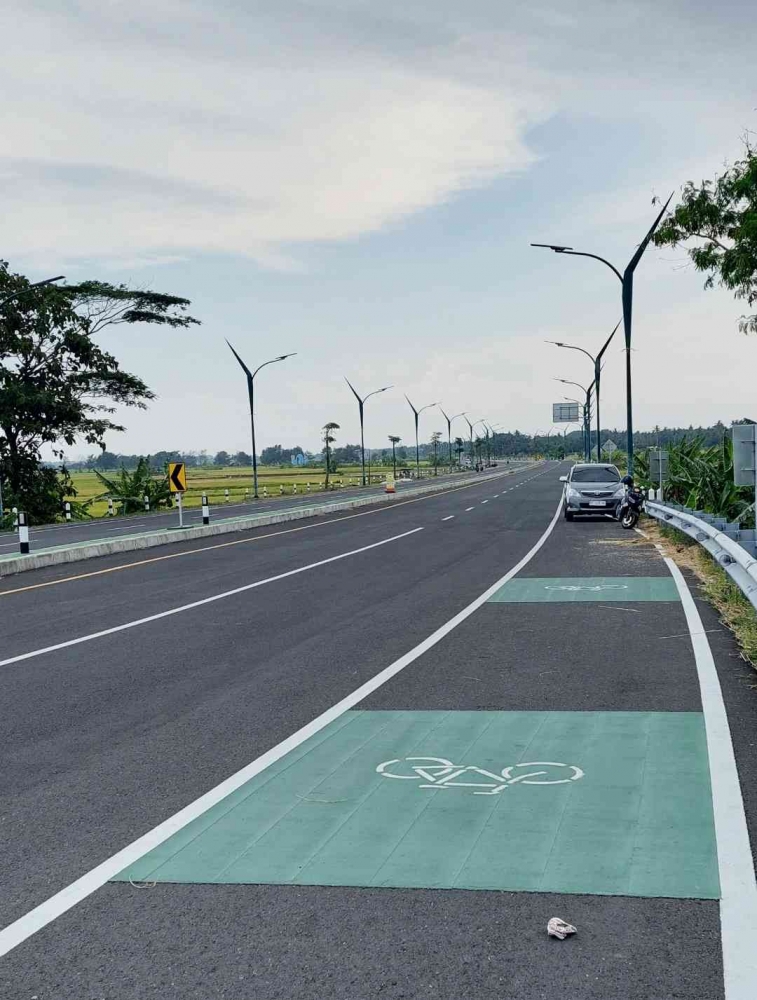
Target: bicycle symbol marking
[
  {"x": 438, "y": 772},
  {"x": 604, "y": 586}
]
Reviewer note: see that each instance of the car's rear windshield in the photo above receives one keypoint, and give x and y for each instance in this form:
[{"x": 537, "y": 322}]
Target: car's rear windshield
[{"x": 596, "y": 474}]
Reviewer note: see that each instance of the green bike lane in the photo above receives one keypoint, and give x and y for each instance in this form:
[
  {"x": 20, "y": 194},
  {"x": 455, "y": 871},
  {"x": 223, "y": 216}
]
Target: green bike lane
[{"x": 547, "y": 757}]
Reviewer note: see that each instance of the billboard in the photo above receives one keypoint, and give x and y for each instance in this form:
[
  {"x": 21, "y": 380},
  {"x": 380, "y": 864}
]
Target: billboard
[{"x": 565, "y": 413}]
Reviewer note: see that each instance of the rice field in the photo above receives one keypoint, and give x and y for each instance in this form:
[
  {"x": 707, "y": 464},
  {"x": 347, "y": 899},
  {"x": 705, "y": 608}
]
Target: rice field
[{"x": 237, "y": 480}]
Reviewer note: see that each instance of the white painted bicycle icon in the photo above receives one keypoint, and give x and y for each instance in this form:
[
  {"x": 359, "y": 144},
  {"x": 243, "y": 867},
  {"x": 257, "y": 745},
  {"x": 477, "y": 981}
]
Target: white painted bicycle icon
[
  {"x": 604, "y": 586},
  {"x": 437, "y": 772}
]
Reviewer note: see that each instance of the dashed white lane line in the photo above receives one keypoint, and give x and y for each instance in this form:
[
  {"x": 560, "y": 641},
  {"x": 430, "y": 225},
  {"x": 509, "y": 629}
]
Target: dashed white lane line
[
  {"x": 43, "y": 914},
  {"x": 448, "y": 518},
  {"x": 467, "y": 509},
  {"x": 484, "y": 501},
  {"x": 495, "y": 496},
  {"x": 203, "y": 601}
]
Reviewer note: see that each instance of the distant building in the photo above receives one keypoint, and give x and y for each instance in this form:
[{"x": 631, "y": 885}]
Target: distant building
[{"x": 298, "y": 459}]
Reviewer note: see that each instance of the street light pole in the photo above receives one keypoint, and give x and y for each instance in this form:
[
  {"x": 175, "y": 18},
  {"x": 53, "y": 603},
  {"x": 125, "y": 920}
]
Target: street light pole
[
  {"x": 361, "y": 404},
  {"x": 449, "y": 431},
  {"x": 626, "y": 281},
  {"x": 587, "y": 414},
  {"x": 416, "y": 414},
  {"x": 250, "y": 392},
  {"x": 597, "y": 362}
]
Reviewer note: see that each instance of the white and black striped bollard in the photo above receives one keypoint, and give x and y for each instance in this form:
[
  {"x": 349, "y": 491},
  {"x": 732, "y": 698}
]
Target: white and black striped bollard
[
  {"x": 68, "y": 510},
  {"x": 111, "y": 512},
  {"x": 281, "y": 489},
  {"x": 246, "y": 495},
  {"x": 14, "y": 511},
  {"x": 308, "y": 487},
  {"x": 23, "y": 534},
  {"x": 294, "y": 490},
  {"x": 226, "y": 492},
  {"x": 146, "y": 502},
  {"x": 265, "y": 492},
  {"x": 205, "y": 509}
]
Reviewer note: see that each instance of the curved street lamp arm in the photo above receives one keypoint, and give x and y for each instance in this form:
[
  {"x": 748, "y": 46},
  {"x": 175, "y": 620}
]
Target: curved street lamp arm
[
  {"x": 273, "y": 361},
  {"x": 579, "y": 253},
  {"x": 572, "y": 347},
  {"x": 426, "y": 407},
  {"x": 377, "y": 391},
  {"x": 581, "y": 387}
]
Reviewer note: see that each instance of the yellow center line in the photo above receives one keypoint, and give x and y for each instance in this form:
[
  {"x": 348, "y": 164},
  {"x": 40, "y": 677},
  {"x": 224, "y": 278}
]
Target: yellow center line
[{"x": 239, "y": 541}]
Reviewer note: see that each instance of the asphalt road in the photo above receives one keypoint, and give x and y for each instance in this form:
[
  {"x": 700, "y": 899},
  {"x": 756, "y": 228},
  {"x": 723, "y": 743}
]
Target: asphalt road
[
  {"x": 195, "y": 662},
  {"x": 112, "y": 527}
]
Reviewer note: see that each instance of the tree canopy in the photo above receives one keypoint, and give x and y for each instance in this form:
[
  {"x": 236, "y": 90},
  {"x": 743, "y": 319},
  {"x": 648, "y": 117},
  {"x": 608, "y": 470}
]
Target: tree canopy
[
  {"x": 716, "y": 221},
  {"x": 57, "y": 384}
]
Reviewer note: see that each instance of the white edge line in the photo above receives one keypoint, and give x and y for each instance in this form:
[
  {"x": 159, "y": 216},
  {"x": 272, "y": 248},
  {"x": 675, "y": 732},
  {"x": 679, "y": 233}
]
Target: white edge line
[
  {"x": 738, "y": 888},
  {"x": 200, "y": 603},
  {"x": 23, "y": 928}
]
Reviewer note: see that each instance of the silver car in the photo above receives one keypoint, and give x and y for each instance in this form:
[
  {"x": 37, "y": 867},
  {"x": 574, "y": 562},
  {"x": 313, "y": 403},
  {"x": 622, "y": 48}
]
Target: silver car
[{"x": 591, "y": 489}]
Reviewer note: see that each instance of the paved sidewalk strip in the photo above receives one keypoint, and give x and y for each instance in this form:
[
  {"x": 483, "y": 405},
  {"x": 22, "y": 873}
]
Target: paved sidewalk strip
[
  {"x": 609, "y": 803},
  {"x": 532, "y": 590}
]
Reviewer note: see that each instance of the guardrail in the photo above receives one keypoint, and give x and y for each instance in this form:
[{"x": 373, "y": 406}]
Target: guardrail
[{"x": 731, "y": 546}]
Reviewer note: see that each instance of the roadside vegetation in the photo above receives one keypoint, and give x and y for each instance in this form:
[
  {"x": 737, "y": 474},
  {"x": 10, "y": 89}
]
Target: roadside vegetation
[{"x": 735, "y": 611}]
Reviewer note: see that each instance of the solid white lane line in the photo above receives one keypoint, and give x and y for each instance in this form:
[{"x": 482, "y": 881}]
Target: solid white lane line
[
  {"x": 448, "y": 518},
  {"x": 33, "y": 921},
  {"x": 467, "y": 509},
  {"x": 205, "y": 600},
  {"x": 738, "y": 903}
]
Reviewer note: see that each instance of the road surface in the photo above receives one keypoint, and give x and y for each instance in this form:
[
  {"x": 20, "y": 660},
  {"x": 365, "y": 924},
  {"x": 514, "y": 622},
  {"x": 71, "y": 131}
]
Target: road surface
[{"x": 249, "y": 715}]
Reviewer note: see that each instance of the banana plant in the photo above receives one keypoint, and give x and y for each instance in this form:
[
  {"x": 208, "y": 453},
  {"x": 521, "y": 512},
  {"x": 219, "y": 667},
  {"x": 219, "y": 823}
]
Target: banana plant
[{"x": 130, "y": 488}]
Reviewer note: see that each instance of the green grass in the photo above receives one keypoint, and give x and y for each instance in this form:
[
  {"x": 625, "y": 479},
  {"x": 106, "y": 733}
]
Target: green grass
[
  {"x": 735, "y": 611},
  {"x": 214, "y": 481}
]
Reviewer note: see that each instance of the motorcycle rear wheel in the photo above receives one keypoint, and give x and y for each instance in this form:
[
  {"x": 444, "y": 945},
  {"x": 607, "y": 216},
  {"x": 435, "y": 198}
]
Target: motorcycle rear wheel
[{"x": 630, "y": 519}]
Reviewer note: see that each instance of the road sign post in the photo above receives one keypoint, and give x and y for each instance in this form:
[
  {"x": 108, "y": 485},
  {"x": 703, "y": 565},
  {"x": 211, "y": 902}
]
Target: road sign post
[
  {"x": 744, "y": 439},
  {"x": 177, "y": 483},
  {"x": 658, "y": 469}
]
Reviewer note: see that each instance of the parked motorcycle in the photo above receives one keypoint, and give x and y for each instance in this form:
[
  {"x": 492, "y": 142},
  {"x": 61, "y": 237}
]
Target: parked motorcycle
[{"x": 631, "y": 507}]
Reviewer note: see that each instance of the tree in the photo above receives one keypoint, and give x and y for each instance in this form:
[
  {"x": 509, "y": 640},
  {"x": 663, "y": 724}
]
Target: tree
[
  {"x": 722, "y": 216},
  {"x": 271, "y": 455},
  {"x": 56, "y": 383},
  {"x": 436, "y": 437},
  {"x": 459, "y": 448},
  {"x": 328, "y": 439},
  {"x": 395, "y": 441},
  {"x": 242, "y": 458},
  {"x": 222, "y": 458}
]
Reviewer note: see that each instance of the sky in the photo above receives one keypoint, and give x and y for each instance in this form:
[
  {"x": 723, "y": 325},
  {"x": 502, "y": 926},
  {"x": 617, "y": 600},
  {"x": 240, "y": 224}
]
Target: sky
[{"x": 359, "y": 183}]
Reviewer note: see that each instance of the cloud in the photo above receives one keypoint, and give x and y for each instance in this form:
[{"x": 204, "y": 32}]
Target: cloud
[{"x": 183, "y": 128}]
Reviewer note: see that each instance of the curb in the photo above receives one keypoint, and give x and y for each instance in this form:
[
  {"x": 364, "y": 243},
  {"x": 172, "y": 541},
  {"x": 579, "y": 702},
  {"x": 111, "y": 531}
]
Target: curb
[{"x": 132, "y": 543}]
